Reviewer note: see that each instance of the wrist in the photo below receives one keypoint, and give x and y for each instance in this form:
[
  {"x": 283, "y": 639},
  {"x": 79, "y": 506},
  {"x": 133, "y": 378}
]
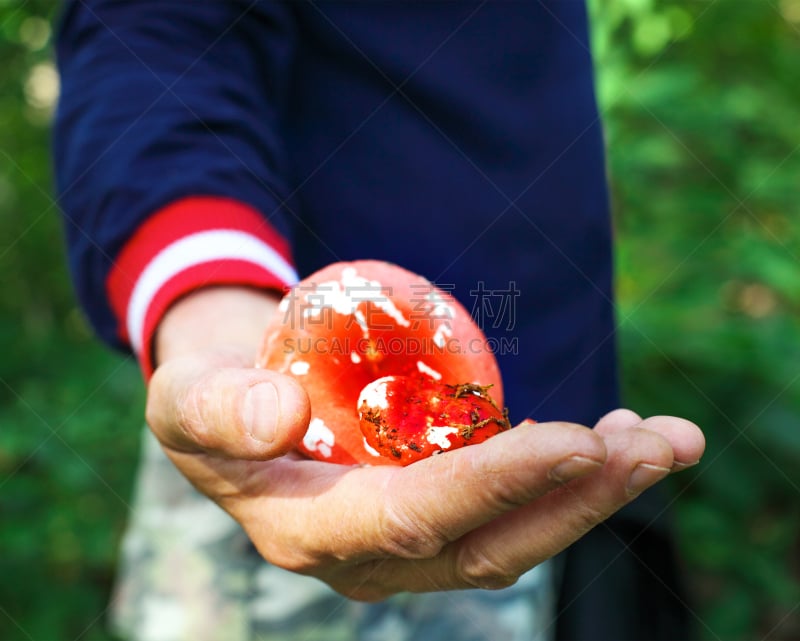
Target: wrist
[{"x": 219, "y": 316}]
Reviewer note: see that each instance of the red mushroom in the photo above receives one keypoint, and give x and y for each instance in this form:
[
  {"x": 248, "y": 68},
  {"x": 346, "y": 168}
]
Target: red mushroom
[{"x": 395, "y": 368}]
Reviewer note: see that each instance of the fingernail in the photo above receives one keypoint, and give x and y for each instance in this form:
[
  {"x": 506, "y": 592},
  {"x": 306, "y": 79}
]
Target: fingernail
[
  {"x": 678, "y": 466},
  {"x": 573, "y": 467},
  {"x": 643, "y": 476},
  {"x": 261, "y": 411}
]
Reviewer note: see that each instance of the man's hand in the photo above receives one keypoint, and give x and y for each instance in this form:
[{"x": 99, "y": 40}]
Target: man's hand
[{"x": 474, "y": 517}]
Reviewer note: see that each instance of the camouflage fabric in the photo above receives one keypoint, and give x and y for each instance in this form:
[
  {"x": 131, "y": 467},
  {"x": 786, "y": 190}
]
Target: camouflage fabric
[{"x": 188, "y": 572}]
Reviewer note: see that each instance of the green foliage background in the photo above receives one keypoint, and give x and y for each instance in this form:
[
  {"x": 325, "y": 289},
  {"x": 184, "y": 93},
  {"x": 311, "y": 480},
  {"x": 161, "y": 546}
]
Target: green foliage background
[{"x": 701, "y": 103}]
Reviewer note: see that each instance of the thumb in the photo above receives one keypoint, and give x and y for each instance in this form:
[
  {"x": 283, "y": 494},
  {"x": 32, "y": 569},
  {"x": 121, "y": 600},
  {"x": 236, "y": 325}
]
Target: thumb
[{"x": 195, "y": 406}]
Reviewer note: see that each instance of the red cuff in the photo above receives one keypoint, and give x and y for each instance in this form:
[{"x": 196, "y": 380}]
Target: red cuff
[{"x": 188, "y": 244}]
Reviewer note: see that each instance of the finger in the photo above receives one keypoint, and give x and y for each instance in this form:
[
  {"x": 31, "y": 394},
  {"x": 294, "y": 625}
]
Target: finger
[
  {"x": 194, "y": 406},
  {"x": 686, "y": 439},
  {"x": 413, "y": 512},
  {"x": 496, "y": 554},
  {"x": 616, "y": 421},
  {"x": 480, "y": 483}
]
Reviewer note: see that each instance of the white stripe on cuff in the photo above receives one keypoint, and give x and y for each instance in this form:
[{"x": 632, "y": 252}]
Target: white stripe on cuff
[{"x": 202, "y": 247}]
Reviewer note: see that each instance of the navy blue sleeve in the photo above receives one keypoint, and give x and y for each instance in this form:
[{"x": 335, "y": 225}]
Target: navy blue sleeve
[{"x": 164, "y": 99}]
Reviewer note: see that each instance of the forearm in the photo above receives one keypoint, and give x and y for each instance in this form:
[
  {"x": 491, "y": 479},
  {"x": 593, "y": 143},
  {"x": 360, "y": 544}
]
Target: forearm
[{"x": 169, "y": 168}]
